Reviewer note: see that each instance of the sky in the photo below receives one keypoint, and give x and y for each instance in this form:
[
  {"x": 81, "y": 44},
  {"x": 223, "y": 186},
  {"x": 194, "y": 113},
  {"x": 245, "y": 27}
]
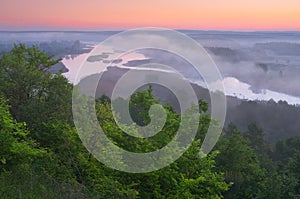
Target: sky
[{"x": 175, "y": 14}]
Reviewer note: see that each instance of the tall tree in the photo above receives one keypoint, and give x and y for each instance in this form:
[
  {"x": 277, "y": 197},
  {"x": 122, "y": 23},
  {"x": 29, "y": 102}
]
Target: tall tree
[{"x": 32, "y": 92}]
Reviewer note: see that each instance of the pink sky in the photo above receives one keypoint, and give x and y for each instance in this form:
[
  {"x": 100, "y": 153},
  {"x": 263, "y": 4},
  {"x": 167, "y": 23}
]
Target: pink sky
[{"x": 177, "y": 14}]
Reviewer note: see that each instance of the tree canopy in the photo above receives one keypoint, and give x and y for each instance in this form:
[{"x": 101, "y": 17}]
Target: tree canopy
[{"x": 41, "y": 155}]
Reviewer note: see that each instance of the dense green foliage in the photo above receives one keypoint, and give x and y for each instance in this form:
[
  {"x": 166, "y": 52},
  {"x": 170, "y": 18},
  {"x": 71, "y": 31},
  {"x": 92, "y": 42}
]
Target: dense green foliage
[{"x": 41, "y": 155}]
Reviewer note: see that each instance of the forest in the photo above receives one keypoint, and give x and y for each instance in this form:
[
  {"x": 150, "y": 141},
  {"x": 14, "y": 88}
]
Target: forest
[{"x": 42, "y": 156}]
